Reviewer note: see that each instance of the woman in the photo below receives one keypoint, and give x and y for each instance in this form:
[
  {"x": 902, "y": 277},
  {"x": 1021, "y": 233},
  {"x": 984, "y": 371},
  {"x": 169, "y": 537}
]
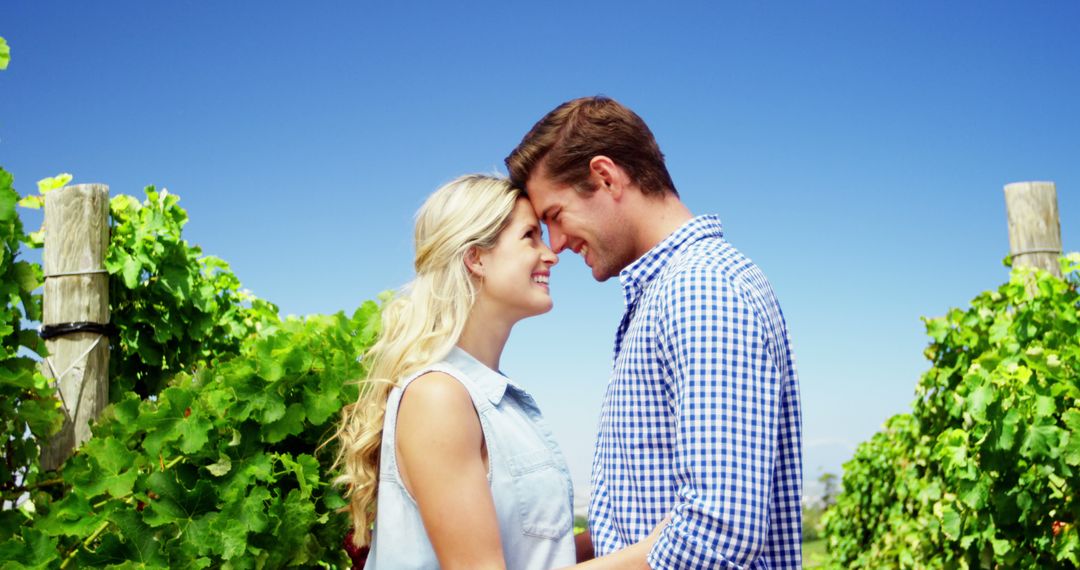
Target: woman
[{"x": 449, "y": 459}]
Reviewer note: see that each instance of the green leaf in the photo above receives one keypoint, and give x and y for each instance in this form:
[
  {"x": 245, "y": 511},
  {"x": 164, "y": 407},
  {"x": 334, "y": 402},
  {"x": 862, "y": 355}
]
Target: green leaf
[
  {"x": 36, "y": 239},
  {"x": 194, "y": 432},
  {"x": 5, "y": 54},
  {"x": 333, "y": 500},
  {"x": 175, "y": 503},
  {"x": 33, "y": 202},
  {"x": 70, "y": 516},
  {"x": 1008, "y": 430},
  {"x": 999, "y": 331},
  {"x": 27, "y": 275},
  {"x": 937, "y": 328},
  {"x": 46, "y": 185},
  {"x": 291, "y": 423},
  {"x": 177, "y": 417},
  {"x": 1068, "y": 546},
  {"x": 223, "y": 465},
  {"x": 42, "y": 416},
  {"x": 8, "y": 199},
  {"x": 1071, "y": 450},
  {"x": 976, "y": 497},
  {"x": 1045, "y": 406},
  {"x": 1041, "y": 440},
  {"x": 233, "y": 536},
  {"x": 321, "y": 405},
  {"x": 1070, "y": 263},
  {"x": 979, "y": 399},
  {"x": 253, "y": 509},
  {"x": 118, "y": 467},
  {"x": 950, "y": 522},
  {"x": 255, "y": 399},
  {"x": 131, "y": 272},
  {"x": 269, "y": 367},
  {"x": 31, "y": 549},
  {"x": 306, "y": 470},
  {"x": 291, "y": 521},
  {"x": 134, "y": 542}
]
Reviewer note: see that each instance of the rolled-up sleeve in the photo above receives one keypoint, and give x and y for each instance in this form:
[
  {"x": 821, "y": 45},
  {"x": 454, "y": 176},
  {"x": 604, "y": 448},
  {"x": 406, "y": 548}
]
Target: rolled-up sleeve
[{"x": 727, "y": 397}]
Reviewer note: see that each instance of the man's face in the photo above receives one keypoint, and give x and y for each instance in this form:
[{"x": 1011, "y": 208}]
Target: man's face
[{"x": 591, "y": 225}]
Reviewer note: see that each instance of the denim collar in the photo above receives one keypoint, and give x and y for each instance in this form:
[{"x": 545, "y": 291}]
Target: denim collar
[
  {"x": 636, "y": 276},
  {"x": 490, "y": 382}
]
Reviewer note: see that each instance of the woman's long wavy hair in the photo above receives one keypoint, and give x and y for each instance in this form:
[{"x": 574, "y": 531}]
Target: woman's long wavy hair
[{"x": 419, "y": 325}]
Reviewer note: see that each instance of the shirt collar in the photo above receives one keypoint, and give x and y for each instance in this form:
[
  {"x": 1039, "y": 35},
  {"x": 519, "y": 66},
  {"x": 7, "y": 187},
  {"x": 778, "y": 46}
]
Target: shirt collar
[
  {"x": 636, "y": 276},
  {"x": 491, "y": 383}
]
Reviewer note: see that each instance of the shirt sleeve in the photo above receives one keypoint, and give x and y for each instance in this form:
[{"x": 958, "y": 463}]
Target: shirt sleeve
[{"x": 727, "y": 398}]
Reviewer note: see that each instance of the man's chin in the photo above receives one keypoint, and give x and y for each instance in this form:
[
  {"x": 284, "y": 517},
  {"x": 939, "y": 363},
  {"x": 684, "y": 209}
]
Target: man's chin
[{"x": 601, "y": 274}]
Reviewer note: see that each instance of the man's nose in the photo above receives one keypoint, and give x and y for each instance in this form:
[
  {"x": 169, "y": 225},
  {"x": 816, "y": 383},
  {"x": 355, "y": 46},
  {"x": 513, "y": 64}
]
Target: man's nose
[{"x": 557, "y": 239}]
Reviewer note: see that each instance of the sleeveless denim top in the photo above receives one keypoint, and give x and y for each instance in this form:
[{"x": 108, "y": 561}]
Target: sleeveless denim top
[{"x": 527, "y": 473}]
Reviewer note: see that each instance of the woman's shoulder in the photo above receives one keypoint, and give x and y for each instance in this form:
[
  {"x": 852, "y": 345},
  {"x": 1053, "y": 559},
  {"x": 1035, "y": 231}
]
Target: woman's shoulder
[
  {"x": 437, "y": 392},
  {"x": 436, "y": 410},
  {"x": 439, "y": 385}
]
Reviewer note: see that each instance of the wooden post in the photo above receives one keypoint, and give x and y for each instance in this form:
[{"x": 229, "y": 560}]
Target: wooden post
[
  {"x": 76, "y": 291},
  {"x": 1034, "y": 227}
]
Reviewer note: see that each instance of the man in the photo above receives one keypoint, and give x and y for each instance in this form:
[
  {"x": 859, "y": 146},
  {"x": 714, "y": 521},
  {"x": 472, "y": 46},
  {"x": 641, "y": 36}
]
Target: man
[{"x": 701, "y": 418}]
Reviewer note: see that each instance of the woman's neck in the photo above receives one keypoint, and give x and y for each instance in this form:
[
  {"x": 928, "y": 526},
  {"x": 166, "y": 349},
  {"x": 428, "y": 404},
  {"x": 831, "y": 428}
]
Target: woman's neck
[{"x": 484, "y": 336}]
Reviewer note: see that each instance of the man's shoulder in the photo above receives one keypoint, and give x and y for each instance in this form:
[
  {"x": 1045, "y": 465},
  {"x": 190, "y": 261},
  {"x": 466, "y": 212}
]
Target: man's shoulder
[
  {"x": 709, "y": 259},
  {"x": 713, "y": 268}
]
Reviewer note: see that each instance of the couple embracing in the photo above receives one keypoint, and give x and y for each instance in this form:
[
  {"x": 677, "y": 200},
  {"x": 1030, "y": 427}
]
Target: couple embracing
[{"x": 698, "y": 463}]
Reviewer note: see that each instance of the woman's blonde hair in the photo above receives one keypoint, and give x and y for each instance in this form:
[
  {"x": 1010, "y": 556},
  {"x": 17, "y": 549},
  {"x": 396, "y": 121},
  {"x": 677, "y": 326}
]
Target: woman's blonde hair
[{"x": 420, "y": 324}]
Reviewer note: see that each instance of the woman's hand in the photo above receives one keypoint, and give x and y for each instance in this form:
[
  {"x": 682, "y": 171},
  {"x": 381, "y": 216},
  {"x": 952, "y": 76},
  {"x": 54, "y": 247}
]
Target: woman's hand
[
  {"x": 633, "y": 557},
  {"x": 657, "y": 530}
]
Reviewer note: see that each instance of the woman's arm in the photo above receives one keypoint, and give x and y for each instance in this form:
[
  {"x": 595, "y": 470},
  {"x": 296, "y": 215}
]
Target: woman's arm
[
  {"x": 440, "y": 456},
  {"x": 632, "y": 557}
]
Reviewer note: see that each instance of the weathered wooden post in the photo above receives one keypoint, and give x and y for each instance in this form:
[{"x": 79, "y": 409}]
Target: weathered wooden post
[
  {"x": 75, "y": 311},
  {"x": 1034, "y": 227}
]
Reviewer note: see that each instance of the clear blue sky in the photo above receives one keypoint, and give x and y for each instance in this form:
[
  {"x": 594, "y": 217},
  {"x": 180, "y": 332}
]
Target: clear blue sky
[{"x": 855, "y": 150}]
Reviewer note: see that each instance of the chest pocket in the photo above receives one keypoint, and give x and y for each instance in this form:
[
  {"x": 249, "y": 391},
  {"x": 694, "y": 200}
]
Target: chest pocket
[{"x": 543, "y": 494}]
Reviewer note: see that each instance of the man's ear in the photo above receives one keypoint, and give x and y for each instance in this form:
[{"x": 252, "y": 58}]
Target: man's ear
[
  {"x": 474, "y": 262},
  {"x": 606, "y": 175}
]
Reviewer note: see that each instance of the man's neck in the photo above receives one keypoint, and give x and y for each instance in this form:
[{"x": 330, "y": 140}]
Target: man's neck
[{"x": 657, "y": 218}]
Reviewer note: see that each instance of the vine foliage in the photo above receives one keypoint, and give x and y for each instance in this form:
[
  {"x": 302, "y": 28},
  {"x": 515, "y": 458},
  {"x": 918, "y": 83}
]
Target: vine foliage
[
  {"x": 208, "y": 455},
  {"x": 28, "y": 405},
  {"x": 984, "y": 471},
  {"x": 157, "y": 273}
]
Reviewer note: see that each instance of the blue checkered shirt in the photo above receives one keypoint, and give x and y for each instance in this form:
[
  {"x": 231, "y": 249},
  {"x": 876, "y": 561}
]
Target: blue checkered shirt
[{"x": 701, "y": 418}]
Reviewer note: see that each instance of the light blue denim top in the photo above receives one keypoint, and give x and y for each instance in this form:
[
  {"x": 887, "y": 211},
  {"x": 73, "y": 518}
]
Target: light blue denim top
[{"x": 529, "y": 480}]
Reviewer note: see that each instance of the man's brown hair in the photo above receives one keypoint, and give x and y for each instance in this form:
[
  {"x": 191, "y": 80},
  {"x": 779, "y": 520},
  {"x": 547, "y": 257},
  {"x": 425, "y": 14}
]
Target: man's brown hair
[{"x": 568, "y": 137}]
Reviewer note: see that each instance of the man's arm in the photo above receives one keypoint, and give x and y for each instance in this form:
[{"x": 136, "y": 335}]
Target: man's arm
[{"x": 728, "y": 397}]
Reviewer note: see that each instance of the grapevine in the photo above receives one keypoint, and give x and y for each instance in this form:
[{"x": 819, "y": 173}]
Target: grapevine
[{"x": 982, "y": 473}]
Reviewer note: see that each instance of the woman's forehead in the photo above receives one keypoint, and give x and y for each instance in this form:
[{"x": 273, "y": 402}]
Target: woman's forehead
[{"x": 523, "y": 213}]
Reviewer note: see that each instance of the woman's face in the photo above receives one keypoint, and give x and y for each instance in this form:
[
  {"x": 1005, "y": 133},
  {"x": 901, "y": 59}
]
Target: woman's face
[{"x": 516, "y": 271}]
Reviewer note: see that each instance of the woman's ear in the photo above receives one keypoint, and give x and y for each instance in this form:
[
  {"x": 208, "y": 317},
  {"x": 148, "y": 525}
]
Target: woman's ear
[{"x": 474, "y": 262}]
